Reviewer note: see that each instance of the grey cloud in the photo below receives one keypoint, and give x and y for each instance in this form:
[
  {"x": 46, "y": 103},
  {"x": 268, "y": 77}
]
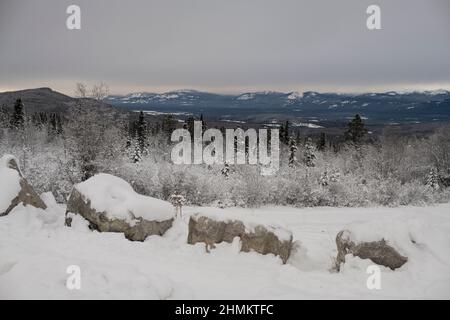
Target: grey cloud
[{"x": 218, "y": 45}]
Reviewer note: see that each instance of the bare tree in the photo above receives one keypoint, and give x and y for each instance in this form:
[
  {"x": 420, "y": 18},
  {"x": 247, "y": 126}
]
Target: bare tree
[
  {"x": 99, "y": 91},
  {"x": 89, "y": 131},
  {"x": 81, "y": 90}
]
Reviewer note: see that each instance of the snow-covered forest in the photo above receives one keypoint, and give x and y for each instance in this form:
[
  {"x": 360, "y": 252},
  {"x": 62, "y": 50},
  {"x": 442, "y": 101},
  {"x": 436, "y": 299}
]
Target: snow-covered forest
[{"x": 56, "y": 151}]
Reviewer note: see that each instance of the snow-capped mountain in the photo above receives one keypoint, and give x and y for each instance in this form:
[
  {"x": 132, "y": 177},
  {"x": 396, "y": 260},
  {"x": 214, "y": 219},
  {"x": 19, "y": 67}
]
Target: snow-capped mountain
[{"x": 384, "y": 107}]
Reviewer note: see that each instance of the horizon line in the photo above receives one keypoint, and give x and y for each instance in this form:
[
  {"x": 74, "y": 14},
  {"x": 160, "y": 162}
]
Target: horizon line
[{"x": 238, "y": 93}]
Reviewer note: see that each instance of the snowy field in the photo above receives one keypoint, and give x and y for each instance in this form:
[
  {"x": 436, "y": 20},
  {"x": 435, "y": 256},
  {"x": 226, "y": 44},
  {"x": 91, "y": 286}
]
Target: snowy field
[{"x": 36, "y": 249}]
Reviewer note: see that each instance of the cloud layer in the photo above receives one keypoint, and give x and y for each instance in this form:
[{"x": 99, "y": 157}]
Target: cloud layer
[{"x": 234, "y": 45}]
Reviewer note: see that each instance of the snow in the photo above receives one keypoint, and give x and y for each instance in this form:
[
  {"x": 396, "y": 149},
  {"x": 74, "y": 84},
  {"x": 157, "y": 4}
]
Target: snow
[
  {"x": 9, "y": 183},
  {"x": 306, "y": 124},
  {"x": 232, "y": 121},
  {"x": 407, "y": 237},
  {"x": 159, "y": 113},
  {"x": 250, "y": 221},
  {"x": 36, "y": 250},
  {"x": 118, "y": 200},
  {"x": 246, "y": 96},
  {"x": 437, "y": 92},
  {"x": 295, "y": 96}
]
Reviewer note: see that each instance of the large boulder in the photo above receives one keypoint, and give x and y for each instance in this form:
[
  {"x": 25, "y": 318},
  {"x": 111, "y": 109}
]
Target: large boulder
[
  {"x": 379, "y": 252},
  {"x": 262, "y": 238},
  {"x": 111, "y": 205},
  {"x": 14, "y": 188}
]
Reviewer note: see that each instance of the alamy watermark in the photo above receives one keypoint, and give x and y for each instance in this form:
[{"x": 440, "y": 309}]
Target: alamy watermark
[
  {"x": 374, "y": 20},
  {"x": 73, "y": 21},
  {"x": 73, "y": 281},
  {"x": 236, "y": 146},
  {"x": 374, "y": 280}
]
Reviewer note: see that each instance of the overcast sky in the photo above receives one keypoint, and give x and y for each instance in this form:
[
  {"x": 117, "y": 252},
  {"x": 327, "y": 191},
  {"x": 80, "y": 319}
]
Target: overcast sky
[{"x": 225, "y": 45}]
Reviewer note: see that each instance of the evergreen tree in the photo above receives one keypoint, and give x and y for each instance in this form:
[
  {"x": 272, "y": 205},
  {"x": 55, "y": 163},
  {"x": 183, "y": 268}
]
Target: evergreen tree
[
  {"x": 297, "y": 139},
  {"x": 169, "y": 124},
  {"x": 204, "y": 126},
  {"x": 4, "y": 117},
  {"x": 309, "y": 155},
  {"x": 356, "y": 130},
  {"x": 54, "y": 125},
  {"x": 18, "y": 117},
  {"x": 324, "y": 179},
  {"x": 226, "y": 170},
  {"x": 292, "y": 152},
  {"x": 141, "y": 132},
  {"x": 135, "y": 151},
  {"x": 433, "y": 179},
  {"x": 321, "y": 144},
  {"x": 190, "y": 126},
  {"x": 137, "y": 142},
  {"x": 284, "y": 133}
]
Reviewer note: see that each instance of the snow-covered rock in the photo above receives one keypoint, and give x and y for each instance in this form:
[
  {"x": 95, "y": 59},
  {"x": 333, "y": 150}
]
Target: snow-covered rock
[
  {"x": 111, "y": 205},
  {"x": 383, "y": 243},
  {"x": 219, "y": 226},
  {"x": 14, "y": 188}
]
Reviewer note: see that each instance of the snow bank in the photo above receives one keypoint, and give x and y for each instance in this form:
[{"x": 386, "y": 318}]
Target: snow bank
[
  {"x": 408, "y": 237},
  {"x": 36, "y": 250},
  {"x": 9, "y": 183},
  {"x": 117, "y": 199},
  {"x": 250, "y": 222}
]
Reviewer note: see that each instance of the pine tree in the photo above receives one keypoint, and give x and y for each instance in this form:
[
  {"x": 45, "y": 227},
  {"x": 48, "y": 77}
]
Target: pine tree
[
  {"x": 4, "y": 117},
  {"x": 18, "y": 117},
  {"x": 137, "y": 141},
  {"x": 324, "y": 179},
  {"x": 356, "y": 130},
  {"x": 321, "y": 144},
  {"x": 298, "y": 138},
  {"x": 309, "y": 155},
  {"x": 141, "y": 132},
  {"x": 136, "y": 153},
  {"x": 169, "y": 124},
  {"x": 190, "y": 126},
  {"x": 54, "y": 125},
  {"x": 292, "y": 152},
  {"x": 284, "y": 133},
  {"x": 226, "y": 170},
  {"x": 433, "y": 179},
  {"x": 204, "y": 126}
]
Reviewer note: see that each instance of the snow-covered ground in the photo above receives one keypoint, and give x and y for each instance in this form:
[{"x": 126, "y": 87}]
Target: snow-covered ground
[{"x": 36, "y": 250}]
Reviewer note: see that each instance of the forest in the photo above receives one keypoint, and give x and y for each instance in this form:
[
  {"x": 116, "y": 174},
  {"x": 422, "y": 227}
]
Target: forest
[{"x": 59, "y": 150}]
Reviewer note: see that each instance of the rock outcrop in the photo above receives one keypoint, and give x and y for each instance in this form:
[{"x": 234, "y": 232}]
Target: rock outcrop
[
  {"x": 111, "y": 205},
  {"x": 379, "y": 252},
  {"x": 14, "y": 188},
  {"x": 260, "y": 238}
]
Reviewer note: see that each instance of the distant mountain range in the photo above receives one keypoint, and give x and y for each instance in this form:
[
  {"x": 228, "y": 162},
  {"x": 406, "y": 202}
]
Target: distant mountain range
[{"x": 309, "y": 107}]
